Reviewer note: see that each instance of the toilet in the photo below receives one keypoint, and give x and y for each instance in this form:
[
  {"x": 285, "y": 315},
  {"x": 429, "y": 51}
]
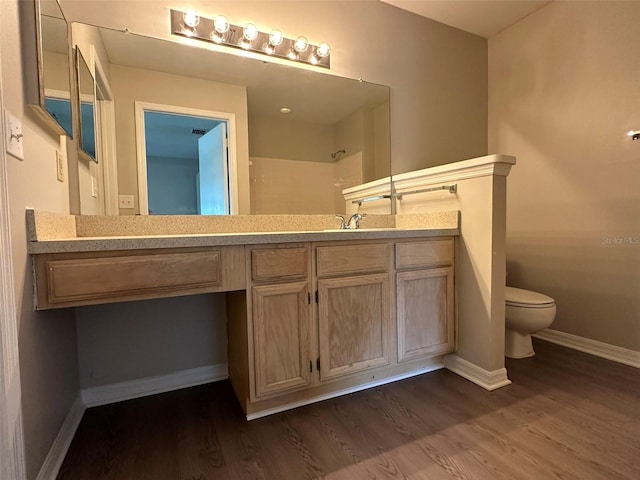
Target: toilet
[{"x": 526, "y": 312}]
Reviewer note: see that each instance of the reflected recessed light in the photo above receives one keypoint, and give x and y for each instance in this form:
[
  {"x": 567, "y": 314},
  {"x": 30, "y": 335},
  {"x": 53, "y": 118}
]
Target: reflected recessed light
[{"x": 285, "y": 110}]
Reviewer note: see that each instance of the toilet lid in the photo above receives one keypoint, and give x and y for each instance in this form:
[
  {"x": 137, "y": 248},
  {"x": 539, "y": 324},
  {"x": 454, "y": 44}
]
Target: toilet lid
[{"x": 518, "y": 296}]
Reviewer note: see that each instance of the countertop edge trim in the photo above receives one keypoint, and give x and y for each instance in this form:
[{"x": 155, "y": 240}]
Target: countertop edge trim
[{"x": 190, "y": 241}]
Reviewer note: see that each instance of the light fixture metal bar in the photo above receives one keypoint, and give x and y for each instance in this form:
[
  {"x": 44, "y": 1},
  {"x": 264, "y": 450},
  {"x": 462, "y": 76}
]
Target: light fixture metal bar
[{"x": 234, "y": 36}]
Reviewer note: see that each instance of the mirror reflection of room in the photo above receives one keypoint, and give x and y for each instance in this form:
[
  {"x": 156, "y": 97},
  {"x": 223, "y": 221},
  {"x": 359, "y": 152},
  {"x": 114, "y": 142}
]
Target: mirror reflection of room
[
  {"x": 186, "y": 158},
  {"x": 295, "y": 139}
]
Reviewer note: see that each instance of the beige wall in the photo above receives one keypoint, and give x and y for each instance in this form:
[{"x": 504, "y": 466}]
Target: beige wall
[
  {"x": 355, "y": 133},
  {"x": 564, "y": 88},
  {"x": 309, "y": 142},
  {"x": 57, "y": 72},
  {"x": 189, "y": 332},
  {"x": 47, "y": 340}
]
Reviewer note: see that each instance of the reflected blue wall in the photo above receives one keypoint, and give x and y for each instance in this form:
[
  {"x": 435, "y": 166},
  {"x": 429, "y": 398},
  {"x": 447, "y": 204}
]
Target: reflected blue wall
[{"x": 60, "y": 109}]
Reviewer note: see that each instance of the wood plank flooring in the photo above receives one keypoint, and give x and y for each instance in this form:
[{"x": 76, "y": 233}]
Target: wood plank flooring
[{"x": 566, "y": 416}]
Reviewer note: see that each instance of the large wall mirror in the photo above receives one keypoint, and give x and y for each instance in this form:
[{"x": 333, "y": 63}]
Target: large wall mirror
[
  {"x": 269, "y": 138},
  {"x": 47, "y": 78}
]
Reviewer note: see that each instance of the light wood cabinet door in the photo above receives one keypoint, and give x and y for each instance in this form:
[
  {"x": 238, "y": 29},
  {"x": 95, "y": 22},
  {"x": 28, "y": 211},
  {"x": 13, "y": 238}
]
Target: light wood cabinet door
[
  {"x": 281, "y": 337},
  {"x": 354, "y": 324},
  {"x": 425, "y": 313}
]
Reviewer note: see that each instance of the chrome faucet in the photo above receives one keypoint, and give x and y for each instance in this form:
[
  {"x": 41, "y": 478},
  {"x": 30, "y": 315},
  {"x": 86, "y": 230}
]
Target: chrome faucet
[
  {"x": 355, "y": 219},
  {"x": 353, "y": 223}
]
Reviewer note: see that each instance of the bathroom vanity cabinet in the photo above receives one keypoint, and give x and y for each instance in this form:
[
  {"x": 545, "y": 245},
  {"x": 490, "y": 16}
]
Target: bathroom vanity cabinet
[
  {"x": 425, "y": 300},
  {"x": 354, "y": 308},
  {"x": 281, "y": 317},
  {"x": 305, "y": 320},
  {"x": 325, "y": 318}
]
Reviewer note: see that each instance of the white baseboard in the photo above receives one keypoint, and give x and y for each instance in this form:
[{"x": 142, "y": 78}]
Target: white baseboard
[
  {"x": 117, "y": 392},
  {"x": 53, "y": 462},
  {"x": 346, "y": 391},
  {"x": 593, "y": 347},
  {"x": 489, "y": 380}
]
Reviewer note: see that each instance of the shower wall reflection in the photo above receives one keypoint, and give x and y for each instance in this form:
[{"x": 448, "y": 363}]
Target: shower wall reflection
[{"x": 299, "y": 176}]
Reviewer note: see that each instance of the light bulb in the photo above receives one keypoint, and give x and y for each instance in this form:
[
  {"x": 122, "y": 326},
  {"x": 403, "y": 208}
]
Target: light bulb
[
  {"x": 323, "y": 50},
  {"x": 217, "y": 37},
  {"x": 250, "y": 32},
  {"x": 293, "y": 55},
  {"x": 191, "y": 17},
  {"x": 275, "y": 38},
  {"x": 188, "y": 31},
  {"x": 313, "y": 59},
  {"x": 221, "y": 24},
  {"x": 268, "y": 49},
  {"x": 301, "y": 44}
]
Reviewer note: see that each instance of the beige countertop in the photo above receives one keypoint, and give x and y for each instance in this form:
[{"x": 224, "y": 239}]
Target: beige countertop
[{"x": 55, "y": 233}]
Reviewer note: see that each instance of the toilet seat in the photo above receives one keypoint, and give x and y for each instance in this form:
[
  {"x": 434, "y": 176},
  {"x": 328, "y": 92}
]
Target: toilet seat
[{"x": 518, "y": 297}]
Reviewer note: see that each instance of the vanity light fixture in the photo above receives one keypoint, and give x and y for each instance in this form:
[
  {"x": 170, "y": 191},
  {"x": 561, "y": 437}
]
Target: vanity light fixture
[
  {"x": 634, "y": 134},
  {"x": 219, "y": 30}
]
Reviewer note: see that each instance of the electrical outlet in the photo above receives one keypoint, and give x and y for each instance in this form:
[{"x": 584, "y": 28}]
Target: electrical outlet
[
  {"x": 59, "y": 166},
  {"x": 125, "y": 201},
  {"x": 14, "y": 137}
]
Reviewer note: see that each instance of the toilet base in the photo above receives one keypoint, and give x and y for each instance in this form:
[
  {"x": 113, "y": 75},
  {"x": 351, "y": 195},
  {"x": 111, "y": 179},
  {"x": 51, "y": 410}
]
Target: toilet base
[{"x": 517, "y": 344}]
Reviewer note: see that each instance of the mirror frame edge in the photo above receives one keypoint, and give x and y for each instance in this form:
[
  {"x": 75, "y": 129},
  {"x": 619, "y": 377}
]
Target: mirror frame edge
[
  {"x": 79, "y": 57},
  {"x": 33, "y": 62}
]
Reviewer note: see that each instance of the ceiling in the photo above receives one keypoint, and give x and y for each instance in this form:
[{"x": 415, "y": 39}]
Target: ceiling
[{"x": 481, "y": 17}]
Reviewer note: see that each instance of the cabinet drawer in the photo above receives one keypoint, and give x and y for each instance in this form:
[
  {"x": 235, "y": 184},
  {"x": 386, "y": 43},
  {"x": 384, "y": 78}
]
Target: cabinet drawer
[
  {"x": 428, "y": 253},
  {"x": 76, "y": 280},
  {"x": 343, "y": 259},
  {"x": 279, "y": 263}
]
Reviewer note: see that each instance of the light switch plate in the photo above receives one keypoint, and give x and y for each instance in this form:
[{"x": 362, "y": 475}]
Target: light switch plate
[
  {"x": 59, "y": 166},
  {"x": 13, "y": 135}
]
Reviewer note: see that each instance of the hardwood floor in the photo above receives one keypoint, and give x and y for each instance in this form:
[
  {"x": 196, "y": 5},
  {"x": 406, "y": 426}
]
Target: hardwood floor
[{"x": 567, "y": 415}]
